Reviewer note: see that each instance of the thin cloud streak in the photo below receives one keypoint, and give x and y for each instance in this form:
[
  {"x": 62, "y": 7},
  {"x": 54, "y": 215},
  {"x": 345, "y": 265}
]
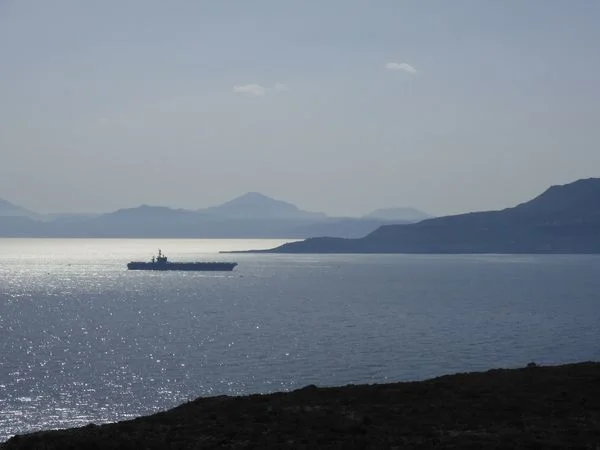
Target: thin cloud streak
[
  {"x": 404, "y": 67},
  {"x": 253, "y": 90},
  {"x": 257, "y": 90}
]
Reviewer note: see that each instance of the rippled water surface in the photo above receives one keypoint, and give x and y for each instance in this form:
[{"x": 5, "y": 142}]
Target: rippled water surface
[{"x": 84, "y": 340}]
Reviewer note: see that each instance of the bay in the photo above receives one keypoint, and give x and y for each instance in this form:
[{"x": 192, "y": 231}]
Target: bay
[{"x": 84, "y": 340}]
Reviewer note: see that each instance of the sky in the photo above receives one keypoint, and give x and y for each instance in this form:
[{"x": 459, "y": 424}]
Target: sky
[{"x": 339, "y": 106}]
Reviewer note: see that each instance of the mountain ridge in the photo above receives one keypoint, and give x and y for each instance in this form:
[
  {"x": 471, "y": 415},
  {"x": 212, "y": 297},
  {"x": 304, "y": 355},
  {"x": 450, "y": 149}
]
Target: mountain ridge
[
  {"x": 8, "y": 209},
  {"x": 252, "y": 215},
  {"x": 563, "y": 219}
]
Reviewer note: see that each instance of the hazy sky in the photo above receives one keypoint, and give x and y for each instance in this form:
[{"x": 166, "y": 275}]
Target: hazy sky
[{"x": 341, "y": 106}]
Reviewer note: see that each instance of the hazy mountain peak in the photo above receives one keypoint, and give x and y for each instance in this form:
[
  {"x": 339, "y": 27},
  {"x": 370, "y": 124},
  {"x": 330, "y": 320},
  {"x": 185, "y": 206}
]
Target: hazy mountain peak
[
  {"x": 10, "y": 209},
  {"x": 258, "y": 198},
  {"x": 256, "y": 205},
  {"x": 5, "y": 205},
  {"x": 256, "y": 195}
]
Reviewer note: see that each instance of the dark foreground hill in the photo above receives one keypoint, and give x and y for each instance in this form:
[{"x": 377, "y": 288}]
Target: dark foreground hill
[
  {"x": 533, "y": 408},
  {"x": 564, "y": 219}
]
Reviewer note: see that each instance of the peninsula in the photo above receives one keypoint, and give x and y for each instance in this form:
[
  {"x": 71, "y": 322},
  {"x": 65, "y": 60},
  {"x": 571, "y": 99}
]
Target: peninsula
[{"x": 563, "y": 219}]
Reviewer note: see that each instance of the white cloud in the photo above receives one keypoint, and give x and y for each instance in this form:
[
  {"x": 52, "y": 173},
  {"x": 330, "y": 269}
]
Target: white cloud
[
  {"x": 401, "y": 66},
  {"x": 255, "y": 90}
]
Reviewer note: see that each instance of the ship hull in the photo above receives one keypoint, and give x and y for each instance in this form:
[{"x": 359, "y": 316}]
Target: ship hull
[{"x": 190, "y": 267}]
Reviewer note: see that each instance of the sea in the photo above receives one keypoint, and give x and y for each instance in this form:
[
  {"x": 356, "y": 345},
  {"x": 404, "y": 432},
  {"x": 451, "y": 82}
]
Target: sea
[{"x": 83, "y": 340}]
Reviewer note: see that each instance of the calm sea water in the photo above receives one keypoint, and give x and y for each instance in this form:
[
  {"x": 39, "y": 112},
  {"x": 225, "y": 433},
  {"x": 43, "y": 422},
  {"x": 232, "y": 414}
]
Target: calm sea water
[{"x": 84, "y": 340}]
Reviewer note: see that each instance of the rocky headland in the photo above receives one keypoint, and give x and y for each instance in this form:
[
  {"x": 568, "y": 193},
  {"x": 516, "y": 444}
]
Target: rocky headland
[
  {"x": 563, "y": 219},
  {"x": 533, "y": 407}
]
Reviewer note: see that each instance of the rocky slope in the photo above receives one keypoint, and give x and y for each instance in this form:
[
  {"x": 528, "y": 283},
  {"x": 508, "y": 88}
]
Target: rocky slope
[{"x": 534, "y": 408}]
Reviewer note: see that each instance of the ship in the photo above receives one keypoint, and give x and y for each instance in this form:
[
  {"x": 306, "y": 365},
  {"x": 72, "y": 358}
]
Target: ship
[{"x": 161, "y": 262}]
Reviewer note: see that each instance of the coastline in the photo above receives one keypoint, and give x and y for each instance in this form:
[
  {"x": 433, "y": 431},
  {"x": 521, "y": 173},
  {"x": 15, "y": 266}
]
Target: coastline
[{"x": 531, "y": 407}]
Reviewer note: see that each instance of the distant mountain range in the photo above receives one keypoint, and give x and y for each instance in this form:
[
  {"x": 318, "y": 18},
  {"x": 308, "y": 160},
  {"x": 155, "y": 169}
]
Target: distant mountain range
[
  {"x": 251, "y": 215},
  {"x": 8, "y": 209},
  {"x": 563, "y": 219}
]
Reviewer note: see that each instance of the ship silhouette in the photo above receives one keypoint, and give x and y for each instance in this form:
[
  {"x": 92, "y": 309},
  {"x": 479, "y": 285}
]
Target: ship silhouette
[{"x": 161, "y": 262}]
